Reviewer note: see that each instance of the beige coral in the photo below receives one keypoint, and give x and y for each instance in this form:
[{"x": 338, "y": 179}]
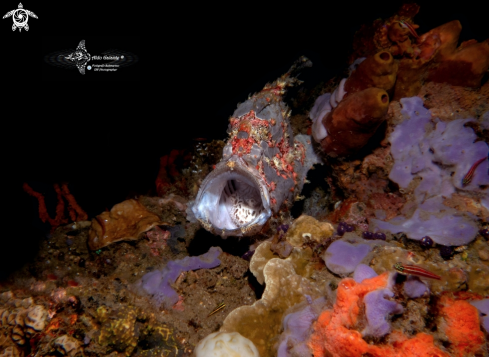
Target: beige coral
[
  {"x": 21, "y": 318},
  {"x": 261, "y": 322},
  {"x": 67, "y": 345},
  {"x": 307, "y": 228}
]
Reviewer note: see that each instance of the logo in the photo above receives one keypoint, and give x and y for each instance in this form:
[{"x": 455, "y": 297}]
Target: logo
[
  {"x": 80, "y": 57},
  {"x": 20, "y": 17}
]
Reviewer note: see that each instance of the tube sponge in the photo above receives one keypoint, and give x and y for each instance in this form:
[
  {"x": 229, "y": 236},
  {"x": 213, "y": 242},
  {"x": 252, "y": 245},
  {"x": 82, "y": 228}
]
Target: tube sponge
[
  {"x": 158, "y": 283},
  {"x": 377, "y": 71},
  {"x": 225, "y": 344},
  {"x": 353, "y": 122}
]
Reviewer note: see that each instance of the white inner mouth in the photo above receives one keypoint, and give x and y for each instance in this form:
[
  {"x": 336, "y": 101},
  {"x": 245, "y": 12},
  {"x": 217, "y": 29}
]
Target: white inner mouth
[
  {"x": 242, "y": 202},
  {"x": 232, "y": 200}
]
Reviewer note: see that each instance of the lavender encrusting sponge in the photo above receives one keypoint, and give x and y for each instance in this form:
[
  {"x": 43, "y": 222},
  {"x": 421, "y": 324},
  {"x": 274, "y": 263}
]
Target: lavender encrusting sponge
[
  {"x": 158, "y": 283},
  {"x": 439, "y": 154},
  {"x": 377, "y": 311}
]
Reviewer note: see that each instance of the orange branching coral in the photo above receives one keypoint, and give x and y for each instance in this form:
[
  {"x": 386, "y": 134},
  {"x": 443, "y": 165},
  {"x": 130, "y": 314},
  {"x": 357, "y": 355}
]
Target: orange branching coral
[
  {"x": 334, "y": 336},
  {"x": 75, "y": 211},
  {"x": 460, "y": 323}
]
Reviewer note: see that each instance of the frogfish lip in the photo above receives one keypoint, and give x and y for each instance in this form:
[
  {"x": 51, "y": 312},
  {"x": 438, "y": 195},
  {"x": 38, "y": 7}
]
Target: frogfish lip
[{"x": 233, "y": 200}]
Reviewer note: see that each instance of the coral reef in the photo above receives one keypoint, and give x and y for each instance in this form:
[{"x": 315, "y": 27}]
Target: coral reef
[
  {"x": 385, "y": 251},
  {"x": 125, "y": 221}
]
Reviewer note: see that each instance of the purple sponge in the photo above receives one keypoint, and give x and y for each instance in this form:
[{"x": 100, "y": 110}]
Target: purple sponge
[
  {"x": 444, "y": 225},
  {"x": 440, "y": 154},
  {"x": 414, "y": 288},
  {"x": 342, "y": 257},
  {"x": 363, "y": 272},
  {"x": 157, "y": 283},
  {"x": 297, "y": 326},
  {"x": 377, "y": 310},
  {"x": 483, "y": 307}
]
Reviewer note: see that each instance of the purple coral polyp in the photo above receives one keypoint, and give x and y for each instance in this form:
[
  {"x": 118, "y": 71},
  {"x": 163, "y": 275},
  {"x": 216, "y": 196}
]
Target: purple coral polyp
[
  {"x": 341, "y": 229},
  {"x": 426, "y": 242},
  {"x": 282, "y": 229},
  {"x": 446, "y": 252},
  {"x": 368, "y": 235},
  {"x": 380, "y": 235},
  {"x": 484, "y": 233},
  {"x": 349, "y": 227}
]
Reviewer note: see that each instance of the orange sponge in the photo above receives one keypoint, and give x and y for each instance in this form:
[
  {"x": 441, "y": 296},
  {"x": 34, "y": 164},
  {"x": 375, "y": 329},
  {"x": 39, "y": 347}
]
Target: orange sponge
[
  {"x": 333, "y": 335},
  {"x": 460, "y": 323}
]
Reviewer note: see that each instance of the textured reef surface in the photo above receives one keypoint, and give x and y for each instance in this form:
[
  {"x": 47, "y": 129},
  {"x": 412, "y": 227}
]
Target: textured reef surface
[{"x": 350, "y": 220}]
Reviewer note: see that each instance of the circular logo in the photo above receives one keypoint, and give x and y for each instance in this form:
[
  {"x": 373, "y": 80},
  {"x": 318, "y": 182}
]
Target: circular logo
[
  {"x": 89, "y": 67},
  {"x": 20, "y": 17}
]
